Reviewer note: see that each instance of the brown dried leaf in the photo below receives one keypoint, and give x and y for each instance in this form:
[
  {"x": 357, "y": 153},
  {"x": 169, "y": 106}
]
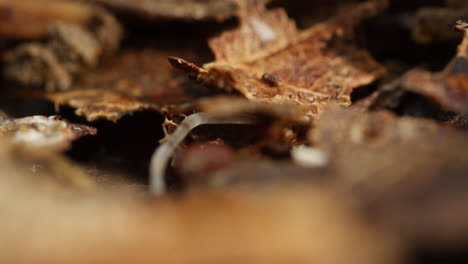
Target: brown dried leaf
[
  {"x": 407, "y": 171},
  {"x": 136, "y": 80},
  {"x": 266, "y": 59},
  {"x": 43, "y": 132},
  {"x": 97, "y": 104},
  {"x": 448, "y": 88}
]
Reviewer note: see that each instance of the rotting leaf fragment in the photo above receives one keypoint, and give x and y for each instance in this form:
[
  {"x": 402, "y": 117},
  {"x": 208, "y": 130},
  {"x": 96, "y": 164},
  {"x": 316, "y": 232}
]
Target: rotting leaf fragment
[
  {"x": 136, "y": 80},
  {"x": 267, "y": 59},
  {"x": 97, "y": 104}
]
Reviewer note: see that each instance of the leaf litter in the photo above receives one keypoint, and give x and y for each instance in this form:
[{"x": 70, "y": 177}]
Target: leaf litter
[{"x": 263, "y": 157}]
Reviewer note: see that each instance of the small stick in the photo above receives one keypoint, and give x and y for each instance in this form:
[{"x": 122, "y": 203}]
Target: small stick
[{"x": 165, "y": 151}]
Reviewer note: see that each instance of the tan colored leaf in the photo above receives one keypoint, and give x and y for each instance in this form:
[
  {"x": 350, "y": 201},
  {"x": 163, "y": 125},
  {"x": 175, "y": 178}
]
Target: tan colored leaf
[
  {"x": 448, "y": 88},
  {"x": 97, "y": 104},
  {"x": 267, "y": 59}
]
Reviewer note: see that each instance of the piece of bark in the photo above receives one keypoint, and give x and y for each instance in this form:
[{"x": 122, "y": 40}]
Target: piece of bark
[
  {"x": 448, "y": 88},
  {"x": 267, "y": 59}
]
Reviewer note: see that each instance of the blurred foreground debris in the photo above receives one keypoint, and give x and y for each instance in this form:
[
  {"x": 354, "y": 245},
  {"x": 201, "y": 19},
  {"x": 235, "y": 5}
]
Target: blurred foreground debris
[
  {"x": 270, "y": 226},
  {"x": 410, "y": 172}
]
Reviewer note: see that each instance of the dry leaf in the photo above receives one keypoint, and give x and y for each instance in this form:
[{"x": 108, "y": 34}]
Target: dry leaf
[
  {"x": 136, "y": 80},
  {"x": 267, "y": 59}
]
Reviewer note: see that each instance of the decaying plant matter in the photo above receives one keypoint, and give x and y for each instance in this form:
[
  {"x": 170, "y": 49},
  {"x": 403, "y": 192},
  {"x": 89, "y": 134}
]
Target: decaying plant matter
[
  {"x": 136, "y": 80},
  {"x": 317, "y": 132}
]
